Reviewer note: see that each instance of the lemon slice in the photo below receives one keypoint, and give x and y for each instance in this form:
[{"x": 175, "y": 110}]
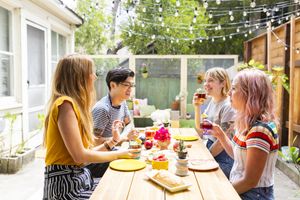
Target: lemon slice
[
  {"x": 138, "y": 140},
  {"x": 204, "y": 115}
]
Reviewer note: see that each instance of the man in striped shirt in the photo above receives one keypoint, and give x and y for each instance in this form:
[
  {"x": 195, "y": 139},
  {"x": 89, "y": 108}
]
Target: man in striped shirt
[{"x": 110, "y": 108}]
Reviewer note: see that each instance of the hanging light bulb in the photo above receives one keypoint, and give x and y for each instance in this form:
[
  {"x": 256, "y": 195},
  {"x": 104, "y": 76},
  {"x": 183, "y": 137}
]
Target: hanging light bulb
[
  {"x": 265, "y": 9},
  {"x": 172, "y": 41},
  {"x": 144, "y": 9},
  {"x": 224, "y": 38},
  {"x": 168, "y": 30},
  {"x": 276, "y": 8},
  {"x": 219, "y": 27},
  {"x": 162, "y": 24},
  {"x": 252, "y": 4},
  {"x": 160, "y": 8},
  {"x": 238, "y": 30},
  {"x": 177, "y": 3},
  {"x": 257, "y": 26},
  {"x": 230, "y": 12},
  {"x": 160, "y": 18},
  {"x": 191, "y": 27},
  {"x": 268, "y": 13},
  {"x": 205, "y": 4},
  {"x": 176, "y": 13},
  {"x": 194, "y": 19},
  {"x": 231, "y": 18},
  {"x": 143, "y": 25},
  {"x": 216, "y": 28},
  {"x": 200, "y": 40},
  {"x": 285, "y": 48},
  {"x": 278, "y": 40},
  {"x": 218, "y": 2},
  {"x": 210, "y": 15},
  {"x": 244, "y": 13},
  {"x": 177, "y": 40},
  {"x": 279, "y": 21},
  {"x": 246, "y": 35},
  {"x": 213, "y": 39},
  {"x": 196, "y": 11},
  {"x": 192, "y": 42},
  {"x": 230, "y": 36},
  {"x": 297, "y": 13},
  {"x": 287, "y": 18},
  {"x": 157, "y": 1},
  {"x": 297, "y": 51},
  {"x": 272, "y": 20},
  {"x": 129, "y": 34},
  {"x": 153, "y": 37},
  {"x": 250, "y": 31}
]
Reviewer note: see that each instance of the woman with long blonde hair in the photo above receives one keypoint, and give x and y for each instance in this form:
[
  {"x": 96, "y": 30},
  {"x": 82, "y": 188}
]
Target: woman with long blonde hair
[
  {"x": 219, "y": 111},
  {"x": 255, "y": 143},
  {"x": 68, "y": 132}
]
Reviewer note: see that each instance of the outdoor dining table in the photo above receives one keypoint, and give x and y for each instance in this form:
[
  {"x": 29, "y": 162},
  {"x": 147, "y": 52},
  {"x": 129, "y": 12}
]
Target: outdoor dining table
[{"x": 206, "y": 185}]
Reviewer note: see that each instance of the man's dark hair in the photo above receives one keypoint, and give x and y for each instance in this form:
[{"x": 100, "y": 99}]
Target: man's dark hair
[{"x": 118, "y": 75}]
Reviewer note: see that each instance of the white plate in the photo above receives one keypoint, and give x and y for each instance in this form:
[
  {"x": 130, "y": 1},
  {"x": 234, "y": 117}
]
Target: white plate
[{"x": 150, "y": 175}]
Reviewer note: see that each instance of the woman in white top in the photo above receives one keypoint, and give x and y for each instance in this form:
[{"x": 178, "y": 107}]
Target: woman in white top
[
  {"x": 255, "y": 143},
  {"x": 219, "y": 111}
]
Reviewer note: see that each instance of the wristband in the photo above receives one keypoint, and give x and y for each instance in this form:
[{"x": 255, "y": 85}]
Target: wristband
[{"x": 107, "y": 146}]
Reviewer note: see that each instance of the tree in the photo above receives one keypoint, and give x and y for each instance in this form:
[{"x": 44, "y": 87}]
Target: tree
[
  {"x": 90, "y": 38},
  {"x": 156, "y": 29}
]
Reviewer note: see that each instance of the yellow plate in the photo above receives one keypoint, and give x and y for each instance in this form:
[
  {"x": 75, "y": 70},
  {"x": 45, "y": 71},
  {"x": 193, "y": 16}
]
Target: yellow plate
[
  {"x": 127, "y": 165},
  {"x": 185, "y": 137}
]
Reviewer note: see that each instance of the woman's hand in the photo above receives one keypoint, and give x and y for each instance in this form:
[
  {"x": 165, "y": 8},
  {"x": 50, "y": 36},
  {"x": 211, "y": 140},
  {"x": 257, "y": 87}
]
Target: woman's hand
[
  {"x": 129, "y": 153},
  {"x": 116, "y": 129},
  {"x": 216, "y": 131},
  {"x": 197, "y": 101},
  {"x": 133, "y": 134}
]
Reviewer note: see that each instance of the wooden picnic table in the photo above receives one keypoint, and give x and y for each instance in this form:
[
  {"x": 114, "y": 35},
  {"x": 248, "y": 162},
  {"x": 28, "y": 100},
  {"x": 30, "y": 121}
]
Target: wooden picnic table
[{"x": 209, "y": 185}]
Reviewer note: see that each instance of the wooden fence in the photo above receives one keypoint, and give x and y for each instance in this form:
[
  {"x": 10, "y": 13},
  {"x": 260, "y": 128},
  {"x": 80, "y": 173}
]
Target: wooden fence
[{"x": 280, "y": 47}]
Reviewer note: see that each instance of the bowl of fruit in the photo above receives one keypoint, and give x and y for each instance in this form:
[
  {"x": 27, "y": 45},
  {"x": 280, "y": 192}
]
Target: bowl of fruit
[{"x": 160, "y": 161}]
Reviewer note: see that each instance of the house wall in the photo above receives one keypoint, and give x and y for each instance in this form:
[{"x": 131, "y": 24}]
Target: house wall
[{"x": 42, "y": 15}]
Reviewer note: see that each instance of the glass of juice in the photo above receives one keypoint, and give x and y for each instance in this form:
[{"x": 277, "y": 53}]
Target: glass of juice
[
  {"x": 201, "y": 94},
  {"x": 205, "y": 125}
]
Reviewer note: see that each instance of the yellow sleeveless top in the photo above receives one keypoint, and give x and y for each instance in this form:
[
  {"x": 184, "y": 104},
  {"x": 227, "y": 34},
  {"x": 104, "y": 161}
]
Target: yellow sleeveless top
[{"x": 56, "y": 151}]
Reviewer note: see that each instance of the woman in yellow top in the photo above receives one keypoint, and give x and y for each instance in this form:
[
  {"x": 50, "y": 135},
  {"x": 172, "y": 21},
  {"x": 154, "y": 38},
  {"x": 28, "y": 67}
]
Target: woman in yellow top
[{"x": 68, "y": 132}]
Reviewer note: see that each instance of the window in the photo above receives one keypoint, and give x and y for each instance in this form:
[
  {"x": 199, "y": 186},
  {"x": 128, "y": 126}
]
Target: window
[
  {"x": 58, "y": 45},
  {"x": 6, "y": 54}
]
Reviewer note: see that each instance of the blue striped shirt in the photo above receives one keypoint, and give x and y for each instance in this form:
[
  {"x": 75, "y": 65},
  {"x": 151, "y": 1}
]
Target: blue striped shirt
[{"x": 104, "y": 114}]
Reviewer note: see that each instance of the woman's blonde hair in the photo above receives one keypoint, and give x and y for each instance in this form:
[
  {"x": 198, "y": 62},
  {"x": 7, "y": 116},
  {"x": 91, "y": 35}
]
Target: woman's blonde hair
[
  {"x": 71, "y": 78},
  {"x": 220, "y": 74}
]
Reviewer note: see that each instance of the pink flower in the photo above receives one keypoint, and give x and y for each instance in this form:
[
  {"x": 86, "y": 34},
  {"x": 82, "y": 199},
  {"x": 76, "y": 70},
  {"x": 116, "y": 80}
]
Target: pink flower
[{"x": 162, "y": 135}]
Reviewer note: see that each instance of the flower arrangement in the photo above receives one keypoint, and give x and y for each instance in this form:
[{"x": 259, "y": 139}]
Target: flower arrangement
[
  {"x": 162, "y": 135},
  {"x": 144, "y": 68},
  {"x": 200, "y": 78}
]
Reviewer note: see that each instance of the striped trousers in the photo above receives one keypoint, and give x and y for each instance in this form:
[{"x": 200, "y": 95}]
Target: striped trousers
[{"x": 67, "y": 182}]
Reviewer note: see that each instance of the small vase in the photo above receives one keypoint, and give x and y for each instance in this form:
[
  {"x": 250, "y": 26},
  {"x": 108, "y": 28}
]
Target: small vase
[
  {"x": 164, "y": 145},
  {"x": 182, "y": 154}
]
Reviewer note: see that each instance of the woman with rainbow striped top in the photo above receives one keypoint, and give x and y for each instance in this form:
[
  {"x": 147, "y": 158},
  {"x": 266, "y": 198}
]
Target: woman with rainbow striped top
[{"x": 255, "y": 143}]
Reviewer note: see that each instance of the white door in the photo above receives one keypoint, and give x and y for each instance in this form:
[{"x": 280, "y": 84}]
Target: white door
[{"x": 36, "y": 73}]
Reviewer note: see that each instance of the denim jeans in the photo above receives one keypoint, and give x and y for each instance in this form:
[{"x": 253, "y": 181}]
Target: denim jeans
[
  {"x": 224, "y": 160},
  {"x": 260, "y": 193}
]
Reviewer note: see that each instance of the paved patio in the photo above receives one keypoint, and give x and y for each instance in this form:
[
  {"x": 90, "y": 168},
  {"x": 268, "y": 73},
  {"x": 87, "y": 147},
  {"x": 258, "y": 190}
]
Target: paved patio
[{"x": 27, "y": 184}]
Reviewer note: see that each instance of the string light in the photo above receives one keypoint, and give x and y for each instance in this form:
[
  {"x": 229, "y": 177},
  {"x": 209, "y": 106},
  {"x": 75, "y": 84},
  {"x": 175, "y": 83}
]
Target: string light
[
  {"x": 160, "y": 8},
  {"x": 153, "y": 37},
  {"x": 177, "y": 3},
  {"x": 231, "y": 18},
  {"x": 230, "y": 12},
  {"x": 244, "y": 13},
  {"x": 297, "y": 51},
  {"x": 210, "y": 15},
  {"x": 144, "y": 9},
  {"x": 205, "y": 4},
  {"x": 252, "y": 4},
  {"x": 176, "y": 13},
  {"x": 160, "y": 18},
  {"x": 194, "y": 19},
  {"x": 196, "y": 11},
  {"x": 218, "y": 2}
]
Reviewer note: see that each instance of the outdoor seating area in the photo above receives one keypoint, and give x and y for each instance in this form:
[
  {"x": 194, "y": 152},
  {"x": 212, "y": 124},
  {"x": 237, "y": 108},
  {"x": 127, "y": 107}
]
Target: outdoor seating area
[{"x": 150, "y": 99}]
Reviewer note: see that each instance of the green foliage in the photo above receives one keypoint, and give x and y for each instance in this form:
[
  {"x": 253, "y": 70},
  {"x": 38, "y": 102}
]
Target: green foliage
[
  {"x": 12, "y": 119},
  {"x": 138, "y": 43},
  {"x": 182, "y": 147},
  {"x": 91, "y": 37},
  {"x": 276, "y": 75},
  {"x": 41, "y": 118}
]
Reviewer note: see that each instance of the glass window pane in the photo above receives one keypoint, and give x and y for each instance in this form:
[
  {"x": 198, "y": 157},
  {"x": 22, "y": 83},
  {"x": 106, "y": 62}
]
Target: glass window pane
[
  {"x": 53, "y": 46},
  {"x": 163, "y": 77},
  {"x": 6, "y": 75},
  {"x": 5, "y": 30},
  {"x": 62, "y": 46},
  {"x": 36, "y": 55}
]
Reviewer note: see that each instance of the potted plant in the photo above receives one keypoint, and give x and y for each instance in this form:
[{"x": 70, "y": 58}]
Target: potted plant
[
  {"x": 182, "y": 151},
  {"x": 144, "y": 70},
  {"x": 176, "y": 103},
  {"x": 200, "y": 78}
]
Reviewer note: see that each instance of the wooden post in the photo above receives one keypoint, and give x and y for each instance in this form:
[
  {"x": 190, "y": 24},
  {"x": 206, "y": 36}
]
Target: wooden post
[
  {"x": 183, "y": 85},
  {"x": 133, "y": 68},
  {"x": 292, "y": 77},
  {"x": 269, "y": 41}
]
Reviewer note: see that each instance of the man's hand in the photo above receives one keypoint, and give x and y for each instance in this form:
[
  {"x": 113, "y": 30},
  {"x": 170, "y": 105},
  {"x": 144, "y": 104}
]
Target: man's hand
[{"x": 117, "y": 126}]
